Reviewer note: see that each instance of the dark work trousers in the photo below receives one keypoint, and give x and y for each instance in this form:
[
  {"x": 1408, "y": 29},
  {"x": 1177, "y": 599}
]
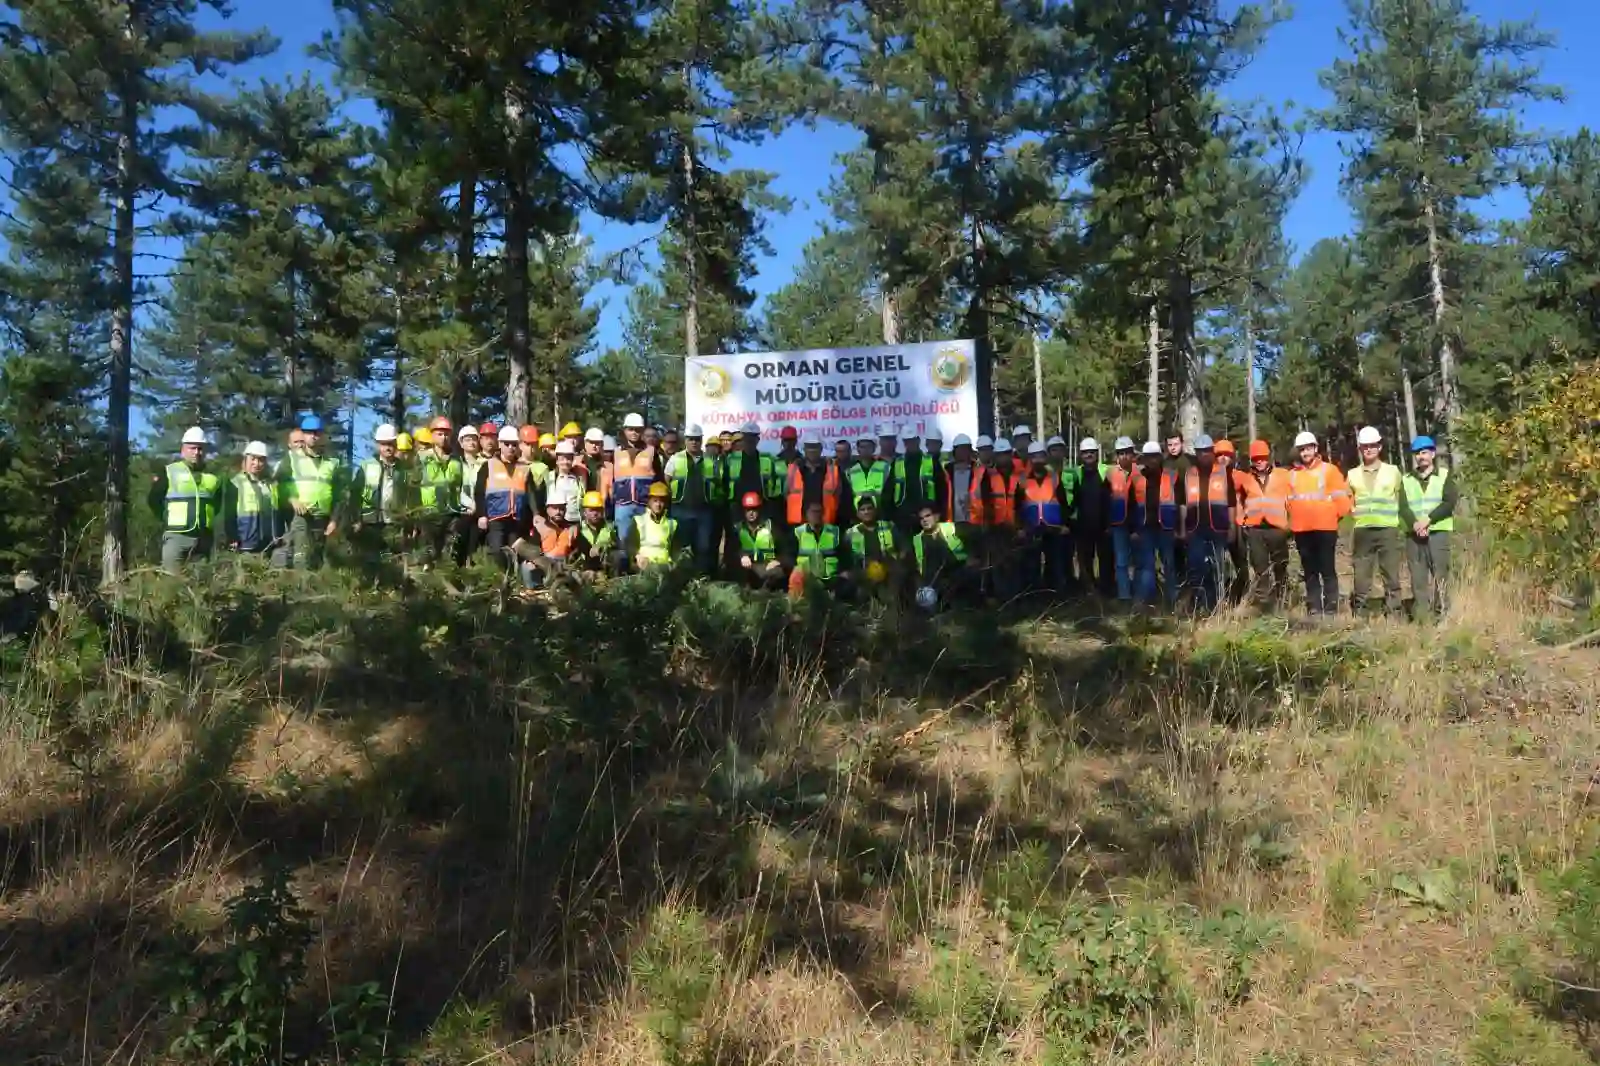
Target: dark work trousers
[
  {"x": 468, "y": 537},
  {"x": 1240, "y": 582},
  {"x": 1268, "y": 549},
  {"x": 1429, "y": 560},
  {"x": 1086, "y": 554},
  {"x": 1318, "y": 550},
  {"x": 1376, "y": 548}
]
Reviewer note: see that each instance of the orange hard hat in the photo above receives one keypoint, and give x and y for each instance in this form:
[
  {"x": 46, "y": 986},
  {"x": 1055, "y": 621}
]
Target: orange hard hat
[
  {"x": 1260, "y": 449},
  {"x": 751, "y": 501},
  {"x": 528, "y": 434},
  {"x": 1224, "y": 447},
  {"x": 441, "y": 423}
]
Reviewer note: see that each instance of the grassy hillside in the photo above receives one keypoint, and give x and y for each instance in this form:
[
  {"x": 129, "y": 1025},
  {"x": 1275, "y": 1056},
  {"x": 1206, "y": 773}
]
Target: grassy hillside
[{"x": 672, "y": 824}]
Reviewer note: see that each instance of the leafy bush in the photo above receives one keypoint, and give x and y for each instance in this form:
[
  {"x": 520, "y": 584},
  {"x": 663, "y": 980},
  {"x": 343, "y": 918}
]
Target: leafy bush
[{"x": 1577, "y": 892}]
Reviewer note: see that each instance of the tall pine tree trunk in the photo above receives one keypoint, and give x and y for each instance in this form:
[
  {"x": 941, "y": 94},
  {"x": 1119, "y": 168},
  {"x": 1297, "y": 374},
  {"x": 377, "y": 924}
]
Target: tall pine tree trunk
[
  {"x": 1152, "y": 412},
  {"x": 466, "y": 257},
  {"x": 519, "y": 378},
  {"x": 691, "y": 255},
  {"x": 1411, "y": 403},
  {"x": 114, "y": 551},
  {"x": 1250, "y": 376},
  {"x": 889, "y": 310},
  {"x": 1446, "y": 405},
  {"x": 1188, "y": 374}
]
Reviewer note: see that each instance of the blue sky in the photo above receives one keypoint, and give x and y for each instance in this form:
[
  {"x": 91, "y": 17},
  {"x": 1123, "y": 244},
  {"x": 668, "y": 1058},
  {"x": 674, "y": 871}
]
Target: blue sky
[{"x": 1284, "y": 74}]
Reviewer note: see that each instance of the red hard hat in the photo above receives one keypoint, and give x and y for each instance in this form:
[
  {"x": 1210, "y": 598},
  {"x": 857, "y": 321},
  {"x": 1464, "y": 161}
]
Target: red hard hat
[
  {"x": 441, "y": 423},
  {"x": 488, "y": 429},
  {"x": 529, "y": 434},
  {"x": 789, "y": 433},
  {"x": 751, "y": 501}
]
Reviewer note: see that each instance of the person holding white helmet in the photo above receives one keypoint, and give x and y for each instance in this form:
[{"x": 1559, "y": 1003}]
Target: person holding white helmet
[
  {"x": 312, "y": 486},
  {"x": 635, "y": 467},
  {"x": 866, "y": 475},
  {"x": 1119, "y": 480},
  {"x": 1318, "y": 498},
  {"x": 812, "y": 480},
  {"x": 1156, "y": 514},
  {"x": 943, "y": 562},
  {"x": 914, "y": 479},
  {"x": 386, "y": 498},
  {"x": 251, "y": 522},
  {"x": 186, "y": 497},
  {"x": 1375, "y": 493},
  {"x": 698, "y": 483}
]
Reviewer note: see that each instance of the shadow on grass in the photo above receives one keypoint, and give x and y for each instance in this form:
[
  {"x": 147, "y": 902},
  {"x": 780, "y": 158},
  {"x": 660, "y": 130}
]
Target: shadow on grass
[{"x": 572, "y": 761}]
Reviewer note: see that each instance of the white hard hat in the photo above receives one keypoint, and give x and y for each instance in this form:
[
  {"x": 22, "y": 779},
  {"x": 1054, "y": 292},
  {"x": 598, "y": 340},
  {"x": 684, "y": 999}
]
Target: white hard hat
[
  {"x": 1150, "y": 448},
  {"x": 1056, "y": 441},
  {"x": 1038, "y": 447},
  {"x": 693, "y": 430},
  {"x": 1369, "y": 435},
  {"x": 811, "y": 439},
  {"x": 594, "y": 433},
  {"x": 750, "y": 427},
  {"x": 508, "y": 433},
  {"x": 888, "y": 429},
  {"x": 565, "y": 447},
  {"x": 1088, "y": 444},
  {"x": 256, "y": 447},
  {"x": 866, "y": 440},
  {"x": 633, "y": 421},
  {"x": 1305, "y": 437},
  {"x": 1124, "y": 444},
  {"x": 927, "y": 598},
  {"x": 468, "y": 430},
  {"x": 1020, "y": 430},
  {"x": 909, "y": 433},
  {"x": 384, "y": 434},
  {"x": 608, "y": 444},
  {"x": 932, "y": 434},
  {"x": 1002, "y": 446},
  {"x": 985, "y": 441},
  {"x": 194, "y": 435},
  {"x": 962, "y": 440}
]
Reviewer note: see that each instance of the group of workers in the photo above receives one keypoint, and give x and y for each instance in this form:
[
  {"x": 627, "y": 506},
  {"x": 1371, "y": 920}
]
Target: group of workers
[{"x": 893, "y": 517}]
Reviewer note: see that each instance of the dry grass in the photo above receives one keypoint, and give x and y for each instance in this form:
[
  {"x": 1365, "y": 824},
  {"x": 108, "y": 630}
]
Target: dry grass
[{"x": 810, "y": 914}]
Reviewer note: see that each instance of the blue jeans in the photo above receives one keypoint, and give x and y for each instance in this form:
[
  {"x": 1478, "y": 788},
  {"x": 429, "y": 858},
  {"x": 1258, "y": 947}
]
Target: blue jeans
[
  {"x": 1206, "y": 551},
  {"x": 1147, "y": 545},
  {"x": 1122, "y": 549},
  {"x": 697, "y": 529},
  {"x": 626, "y": 515}
]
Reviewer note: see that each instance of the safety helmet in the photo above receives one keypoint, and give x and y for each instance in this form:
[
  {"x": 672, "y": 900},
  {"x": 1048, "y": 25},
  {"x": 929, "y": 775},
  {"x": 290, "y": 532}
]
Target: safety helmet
[
  {"x": 468, "y": 430},
  {"x": 1304, "y": 438},
  {"x": 608, "y": 444},
  {"x": 1021, "y": 431},
  {"x": 1088, "y": 444},
  {"x": 571, "y": 429},
  {"x": 1038, "y": 448},
  {"x": 633, "y": 421},
  {"x": 877, "y": 572},
  {"x": 594, "y": 501},
  {"x": 933, "y": 436},
  {"x": 1423, "y": 444},
  {"x": 927, "y": 599},
  {"x": 194, "y": 435},
  {"x": 423, "y": 435},
  {"x": 256, "y": 448},
  {"x": 488, "y": 429},
  {"x": 1002, "y": 446},
  {"x": 402, "y": 442},
  {"x": 384, "y": 434},
  {"x": 507, "y": 435},
  {"x": 311, "y": 424},
  {"x": 1225, "y": 447},
  {"x": 961, "y": 441},
  {"x": 750, "y": 501},
  {"x": 1204, "y": 443},
  {"x": 528, "y": 434},
  {"x": 1369, "y": 435},
  {"x": 1124, "y": 444},
  {"x": 547, "y": 440},
  {"x": 658, "y": 491},
  {"x": 788, "y": 433},
  {"x": 441, "y": 424},
  {"x": 565, "y": 448},
  {"x": 1260, "y": 449},
  {"x": 594, "y": 433}
]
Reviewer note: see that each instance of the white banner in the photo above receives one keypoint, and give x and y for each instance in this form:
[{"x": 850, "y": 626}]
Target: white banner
[{"x": 838, "y": 393}]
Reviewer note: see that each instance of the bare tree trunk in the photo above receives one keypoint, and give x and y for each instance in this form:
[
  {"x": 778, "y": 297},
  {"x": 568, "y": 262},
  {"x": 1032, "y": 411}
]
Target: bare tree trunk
[
  {"x": 1038, "y": 389},
  {"x": 519, "y": 379},
  {"x": 555, "y": 404},
  {"x": 1446, "y": 402},
  {"x": 114, "y": 548},
  {"x": 1250, "y": 376},
  {"x": 1190, "y": 375},
  {"x": 291, "y": 347},
  {"x": 466, "y": 261},
  {"x": 889, "y": 310},
  {"x": 1153, "y": 349},
  {"x": 1411, "y": 403},
  {"x": 691, "y": 252}
]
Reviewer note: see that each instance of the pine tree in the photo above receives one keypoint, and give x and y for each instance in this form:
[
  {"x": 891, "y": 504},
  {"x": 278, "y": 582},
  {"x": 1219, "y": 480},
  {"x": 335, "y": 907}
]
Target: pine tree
[
  {"x": 829, "y": 301},
  {"x": 1428, "y": 104},
  {"x": 1564, "y": 234},
  {"x": 108, "y": 86}
]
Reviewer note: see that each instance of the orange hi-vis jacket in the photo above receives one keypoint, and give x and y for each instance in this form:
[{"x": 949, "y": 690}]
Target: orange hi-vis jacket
[
  {"x": 993, "y": 502},
  {"x": 1318, "y": 498},
  {"x": 1265, "y": 504},
  {"x": 1167, "y": 508},
  {"x": 505, "y": 491},
  {"x": 632, "y": 475},
  {"x": 600, "y": 482},
  {"x": 1216, "y": 499},
  {"x": 794, "y": 492},
  {"x": 556, "y": 541},
  {"x": 1120, "y": 481}
]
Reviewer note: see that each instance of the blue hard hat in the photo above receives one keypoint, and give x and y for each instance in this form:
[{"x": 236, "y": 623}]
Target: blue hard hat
[
  {"x": 311, "y": 424},
  {"x": 1423, "y": 443},
  {"x": 1202, "y": 442}
]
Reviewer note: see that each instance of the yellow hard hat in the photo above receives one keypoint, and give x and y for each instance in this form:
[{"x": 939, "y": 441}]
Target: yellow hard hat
[
  {"x": 876, "y": 572},
  {"x": 571, "y": 429},
  {"x": 658, "y": 489},
  {"x": 402, "y": 442},
  {"x": 594, "y": 500},
  {"x": 423, "y": 436},
  {"x": 547, "y": 440}
]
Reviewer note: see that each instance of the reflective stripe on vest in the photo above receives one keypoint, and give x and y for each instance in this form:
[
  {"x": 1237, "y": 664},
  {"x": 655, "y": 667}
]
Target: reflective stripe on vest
[
  {"x": 758, "y": 545},
  {"x": 794, "y": 505},
  {"x": 1041, "y": 504},
  {"x": 373, "y": 507},
  {"x": 1377, "y": 496},
  {"x": 632, "y": 475},
  {"x": 255, "y": 512},
  {"x": 1267, "y": 504},
  {"x": 819, "y": 552},
  {"x": 556, "y": 542},
  {"x": 994, "y": 498},
  {"x": 771, "y": 480},
  {"x": 868, "y": 482},
  {"x": 1166, "y": 509},
  {"x": 1423, "y": 499},
  {"x": 1120, "y": 481},
  {"x": 655, "y": 539},
  {"x": 311, "y": 482},
  {"x": 952, "y": 540},
  {"x": 600, "y": 541},
  {"x": 469, "y": 480},
  {"x": 1216, "y": 499},
  {"x": 505, "y": 491},
  {"x": 713, "y": 486},
  {"x": 925, "y": 474},
  {"x": 858, "y": 541},
  {"x": 440, "y": 478},
  {"x": 191, "y": 500}
]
